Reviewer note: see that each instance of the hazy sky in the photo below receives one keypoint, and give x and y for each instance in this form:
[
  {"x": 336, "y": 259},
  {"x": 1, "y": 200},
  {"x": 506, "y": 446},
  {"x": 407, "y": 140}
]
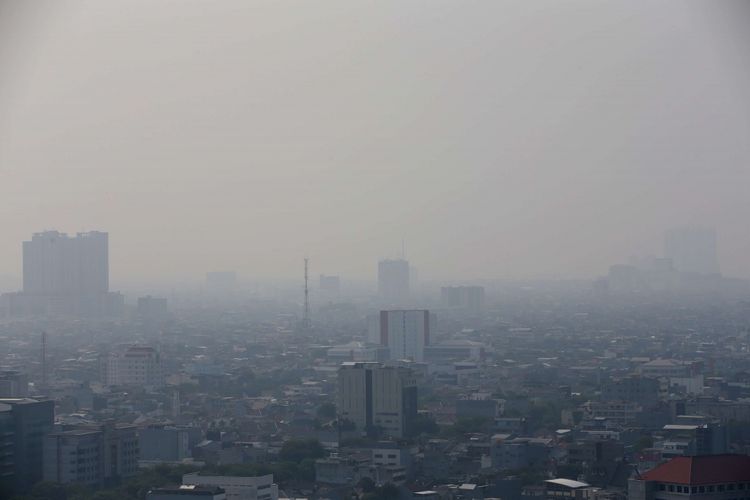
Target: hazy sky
[{"x": 500, "y": 139}]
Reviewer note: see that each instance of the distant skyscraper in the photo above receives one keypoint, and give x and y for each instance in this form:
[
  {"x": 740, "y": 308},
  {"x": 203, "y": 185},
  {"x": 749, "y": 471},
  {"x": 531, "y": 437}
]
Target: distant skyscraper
[
  {"x": 373, "y": 396},
  {"x": 468, "y": 297},
  {"x": 65, "y": 275},
  {"x": 692, "y": 250},
  {"x": 405, "y": 333},
  {"x": 55, "y": 263},
  {"x": 393, "y": 280}
]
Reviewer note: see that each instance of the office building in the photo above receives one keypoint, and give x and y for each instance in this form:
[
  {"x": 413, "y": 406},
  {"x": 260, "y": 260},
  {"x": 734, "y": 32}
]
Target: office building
[
  {"x": 708, "y": 477},
  {"x": 462, "y": 297},
  {"x": 393, "y": 280},
  {"x": 95, "y": 456},
  {"x": 692, "y": 250},
  {"x": 26, "y": 423},
  {"x": 134, "y": 365},
  {"x": 377, "y": 399},
  {"x": 7, "y": 450},
  {"x": 237, "y": 487},
  {"x": 405, "y": 333}
]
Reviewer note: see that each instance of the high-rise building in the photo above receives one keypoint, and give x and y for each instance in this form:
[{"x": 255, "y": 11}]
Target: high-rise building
[
  {"x": 692, "y": 250},
  {"x": 376, "y": 398},
  {"x": 393, "y": 280},
  {"x": 94, "y": 456},
  {"x": 405, "y": 333},
  {"x": 464, "y": 297},
  {"x": 65, "y": 275},
  {"x": 55, "y": 263},
  {"x": 26, "y": 423},
  {"x": 134, "y": 366}
]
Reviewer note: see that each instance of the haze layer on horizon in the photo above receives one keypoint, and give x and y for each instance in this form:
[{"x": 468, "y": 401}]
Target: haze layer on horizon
[{"x": 498, "y": 139}]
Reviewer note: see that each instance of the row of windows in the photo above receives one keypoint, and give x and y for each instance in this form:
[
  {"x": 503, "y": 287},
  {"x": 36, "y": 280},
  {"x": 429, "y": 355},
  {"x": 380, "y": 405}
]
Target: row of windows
[{"x": 720, "y": 488}]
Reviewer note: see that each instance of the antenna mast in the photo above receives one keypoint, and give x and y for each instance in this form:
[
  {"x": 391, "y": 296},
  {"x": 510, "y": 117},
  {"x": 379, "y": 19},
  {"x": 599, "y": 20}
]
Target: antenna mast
[{"x": 306, "y": 319}]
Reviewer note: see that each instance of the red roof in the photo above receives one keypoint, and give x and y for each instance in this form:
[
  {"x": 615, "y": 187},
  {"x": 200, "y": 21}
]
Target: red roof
[{"x": 704, "y": 469}]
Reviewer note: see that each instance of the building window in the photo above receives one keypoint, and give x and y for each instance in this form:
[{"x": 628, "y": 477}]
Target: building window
[
  {"x": 671, "y": 487},
  {"x": 662, "y": 487}
]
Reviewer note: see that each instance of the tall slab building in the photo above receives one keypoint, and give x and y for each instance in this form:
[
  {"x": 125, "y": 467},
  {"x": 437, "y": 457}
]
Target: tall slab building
[
  {"x": 377, "y": 398},
  {"x": 405, "y": 333},
  {"x": 65, "y": 274},
  {"x": 393, "y": 280}
]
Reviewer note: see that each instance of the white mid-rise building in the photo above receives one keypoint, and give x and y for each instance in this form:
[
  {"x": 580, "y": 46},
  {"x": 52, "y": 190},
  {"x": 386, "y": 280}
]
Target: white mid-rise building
[
  {"x": 133, "y": 366},
  {"x": 237, "y": 487}
]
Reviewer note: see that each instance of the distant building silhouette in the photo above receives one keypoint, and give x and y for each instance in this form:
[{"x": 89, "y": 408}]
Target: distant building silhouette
[
  {"x": 393, "y": 280},
  {"x": 692, "y": 250},
  {"x": 66, "y": 275},
  {"x": 465, "y": 297}
]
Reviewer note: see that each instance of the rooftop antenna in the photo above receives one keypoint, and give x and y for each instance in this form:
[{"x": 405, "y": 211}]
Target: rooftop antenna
[
  {"x": 403, "y": 249},
  {"x": 306, "y": 319}
]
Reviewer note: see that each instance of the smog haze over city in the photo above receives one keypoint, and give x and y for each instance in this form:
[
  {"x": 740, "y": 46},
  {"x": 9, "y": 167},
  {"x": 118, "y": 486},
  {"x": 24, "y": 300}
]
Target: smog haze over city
[
  {"x": 498, "y": 139},
  {"x": 374, "y": 250}
]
